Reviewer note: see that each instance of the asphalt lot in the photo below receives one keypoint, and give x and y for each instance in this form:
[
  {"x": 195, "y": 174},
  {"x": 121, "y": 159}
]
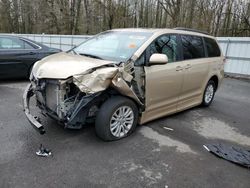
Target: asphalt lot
[{"x": 151, "y": 157}]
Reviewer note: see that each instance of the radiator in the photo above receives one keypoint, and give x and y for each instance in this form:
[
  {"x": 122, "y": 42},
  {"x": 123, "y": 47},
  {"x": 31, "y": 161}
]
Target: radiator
[{"x": 51, "y": 94}]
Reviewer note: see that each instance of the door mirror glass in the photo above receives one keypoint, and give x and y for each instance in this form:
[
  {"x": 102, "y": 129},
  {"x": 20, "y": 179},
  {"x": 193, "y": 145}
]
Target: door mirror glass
[{"x": 158, "y": 59}]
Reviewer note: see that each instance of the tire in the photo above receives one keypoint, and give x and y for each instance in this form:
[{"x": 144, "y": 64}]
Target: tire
[
  {"x": 108, "y": 123},
  {"x": 209, "y": 92}
]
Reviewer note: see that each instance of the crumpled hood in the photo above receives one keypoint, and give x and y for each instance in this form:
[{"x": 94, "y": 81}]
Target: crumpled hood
[
  {"x": 80, "y": 68},
  {"x": 63, "y": 65}
]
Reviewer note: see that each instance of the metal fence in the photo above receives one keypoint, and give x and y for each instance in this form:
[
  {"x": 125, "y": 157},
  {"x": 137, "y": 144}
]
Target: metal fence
[
  {"x": 236, "y": 49},
  {"x": 63, "y": 42},
  {"x": 237, "y": 52}
]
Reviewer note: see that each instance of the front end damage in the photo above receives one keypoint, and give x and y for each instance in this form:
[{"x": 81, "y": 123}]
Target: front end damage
[
  {"x": 28, "y": 93},
  {"x": 75, "y": 101}
]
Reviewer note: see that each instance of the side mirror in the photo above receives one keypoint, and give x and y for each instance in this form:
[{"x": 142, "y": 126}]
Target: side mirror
[{"x": 158, "y": 59}]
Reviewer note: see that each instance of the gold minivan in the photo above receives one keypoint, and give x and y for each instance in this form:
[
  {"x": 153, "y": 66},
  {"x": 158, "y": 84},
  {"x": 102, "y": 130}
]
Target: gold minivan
[{"x": 124, "y": 77}]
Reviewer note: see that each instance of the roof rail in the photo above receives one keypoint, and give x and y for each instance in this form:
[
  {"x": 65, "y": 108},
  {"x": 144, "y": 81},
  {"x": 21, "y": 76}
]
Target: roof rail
[{"x": 193, "y": 30}]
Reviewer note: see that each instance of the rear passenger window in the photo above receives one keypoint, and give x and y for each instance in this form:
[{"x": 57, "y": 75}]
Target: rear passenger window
[
  {"x": 192, "y": 47},
  {"x": 213, "y": 49},
  {"x": 14, "y": 44},
  {"x": 9, "y": 43},
  {"x": 27, "y": 46}
]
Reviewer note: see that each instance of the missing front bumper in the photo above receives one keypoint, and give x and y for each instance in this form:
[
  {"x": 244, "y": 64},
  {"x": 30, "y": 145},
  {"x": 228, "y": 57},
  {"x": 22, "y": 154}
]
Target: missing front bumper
[
  {"x": 73, "y": 120},
  {"x": 28, "y": 93}
]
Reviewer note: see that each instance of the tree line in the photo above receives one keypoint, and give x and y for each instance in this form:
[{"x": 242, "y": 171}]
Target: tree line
[{"x": 217, "y": 17}]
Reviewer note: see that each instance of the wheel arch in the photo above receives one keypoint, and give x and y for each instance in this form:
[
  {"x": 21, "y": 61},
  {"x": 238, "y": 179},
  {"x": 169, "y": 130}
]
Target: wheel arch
[
  {"x": 113, "y": 92},
  {"x": 216, "y": 81}
]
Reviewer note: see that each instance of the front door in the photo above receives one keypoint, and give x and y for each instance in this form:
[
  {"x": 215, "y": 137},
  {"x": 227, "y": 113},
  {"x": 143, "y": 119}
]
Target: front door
[{"x": 163, "y": 82}]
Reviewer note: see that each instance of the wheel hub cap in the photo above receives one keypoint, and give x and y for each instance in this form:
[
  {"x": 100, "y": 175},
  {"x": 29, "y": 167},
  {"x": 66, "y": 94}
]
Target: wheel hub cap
[
  {"x": 209, "y": 93},
  {"x": 121, "y": 121}
]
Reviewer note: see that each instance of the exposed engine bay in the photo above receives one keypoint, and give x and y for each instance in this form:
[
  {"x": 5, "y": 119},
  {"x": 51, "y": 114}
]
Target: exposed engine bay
[{"x": 76, "y": 100}]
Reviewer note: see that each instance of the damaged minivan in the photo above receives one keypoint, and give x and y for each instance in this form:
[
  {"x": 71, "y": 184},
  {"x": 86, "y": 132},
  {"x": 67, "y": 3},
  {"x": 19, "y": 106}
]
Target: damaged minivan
[{"x": 124, "y": 77}]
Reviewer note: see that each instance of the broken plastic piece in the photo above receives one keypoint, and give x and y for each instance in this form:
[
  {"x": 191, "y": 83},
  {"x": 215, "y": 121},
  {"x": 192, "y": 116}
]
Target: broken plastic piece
[
  {"x": 38, "y": 119},
  {"x": 167, "y": 128},
  {"x": 43, "y": 152},
  {"x": 206, "y": 148},
  {"x": 233, "y": 154}
]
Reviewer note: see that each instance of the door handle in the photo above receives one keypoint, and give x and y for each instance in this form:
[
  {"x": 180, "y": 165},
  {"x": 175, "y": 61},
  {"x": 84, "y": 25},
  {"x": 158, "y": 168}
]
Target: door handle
[
  {"x": 31, "y": 53},
  {"x": 188, "y": 66},
  {"x": 28, "y": 53},
  {"x": 179, "y": 68}
]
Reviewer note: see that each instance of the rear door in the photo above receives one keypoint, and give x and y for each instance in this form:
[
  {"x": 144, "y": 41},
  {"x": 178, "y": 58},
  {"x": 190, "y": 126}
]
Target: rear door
[
  {"x": 215, "y": 57},
  {"x": 196, "y": 68},
  {"x": 163, "y": 82},
  {"x": 16, "y": 57}
]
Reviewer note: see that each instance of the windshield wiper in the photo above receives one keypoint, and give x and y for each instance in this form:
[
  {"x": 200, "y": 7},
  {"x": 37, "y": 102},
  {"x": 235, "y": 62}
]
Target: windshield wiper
[{"x": 91, "y": 55}]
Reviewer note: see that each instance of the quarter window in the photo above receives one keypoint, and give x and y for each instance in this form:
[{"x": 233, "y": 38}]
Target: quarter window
[
  {"x": 192, "y": 47},
  {"x": 166, "y": 44},
  {"x": 212, "y": 47},
  {"x": 27, "y": 45}
]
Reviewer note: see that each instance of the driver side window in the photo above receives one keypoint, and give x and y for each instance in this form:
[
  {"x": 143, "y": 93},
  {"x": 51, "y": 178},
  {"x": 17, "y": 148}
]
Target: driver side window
[{"x": 165, "y": 44}]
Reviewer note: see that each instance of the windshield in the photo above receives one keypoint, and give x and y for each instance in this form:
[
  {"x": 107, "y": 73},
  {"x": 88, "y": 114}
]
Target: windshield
[{"x": 113, "y": 45}]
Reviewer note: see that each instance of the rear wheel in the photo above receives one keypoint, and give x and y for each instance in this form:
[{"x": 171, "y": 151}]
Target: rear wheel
[
  {"x": 209, "y": 92},
  {"x": 116, "y": 119}
]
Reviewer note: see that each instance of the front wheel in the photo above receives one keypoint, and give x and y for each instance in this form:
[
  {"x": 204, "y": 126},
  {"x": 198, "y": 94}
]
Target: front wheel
[
  {"x": 116, "y": 119},
  {"x": 209, "y": 92}
]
